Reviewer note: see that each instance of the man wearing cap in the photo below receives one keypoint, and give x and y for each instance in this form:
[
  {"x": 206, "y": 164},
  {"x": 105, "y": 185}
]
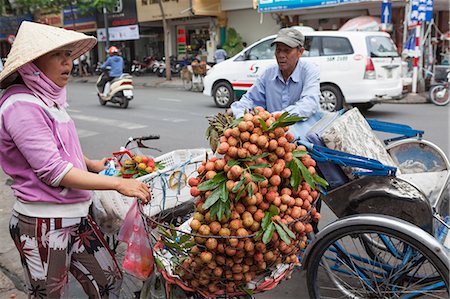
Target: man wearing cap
[{"x": 291, "y": 86}]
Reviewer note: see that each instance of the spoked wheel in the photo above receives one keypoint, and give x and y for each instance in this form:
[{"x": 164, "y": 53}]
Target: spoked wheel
[
  {"x": 372, "y": 259},
  {"x": 440, "y": 95}
]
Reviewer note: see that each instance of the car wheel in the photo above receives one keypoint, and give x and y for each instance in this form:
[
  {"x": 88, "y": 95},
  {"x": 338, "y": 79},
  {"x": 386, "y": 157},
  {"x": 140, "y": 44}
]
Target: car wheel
[
  {"x": 331, "y": 98},
  {"x": 223, "y": 94},
  {"x": 363, "y": 106}
]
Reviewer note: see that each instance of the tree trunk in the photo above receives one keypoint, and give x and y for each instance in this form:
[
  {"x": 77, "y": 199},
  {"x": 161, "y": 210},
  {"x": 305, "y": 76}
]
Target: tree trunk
[{"x": 166, "y": 42}]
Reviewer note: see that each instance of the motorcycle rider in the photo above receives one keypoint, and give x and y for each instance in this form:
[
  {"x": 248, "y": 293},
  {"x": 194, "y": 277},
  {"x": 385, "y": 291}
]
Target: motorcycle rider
[{"x": 115, "y": 61}]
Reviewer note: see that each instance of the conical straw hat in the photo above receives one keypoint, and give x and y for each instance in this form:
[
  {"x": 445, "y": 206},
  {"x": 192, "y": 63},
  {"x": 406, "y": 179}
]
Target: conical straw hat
[{"x": 34, "y": 40}]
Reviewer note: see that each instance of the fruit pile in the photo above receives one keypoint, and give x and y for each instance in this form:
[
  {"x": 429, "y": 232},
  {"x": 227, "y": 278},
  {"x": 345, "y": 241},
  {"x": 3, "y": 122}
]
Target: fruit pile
[
  {"x": 255, "y": 202},
  {"x": 139, "y": 166}
]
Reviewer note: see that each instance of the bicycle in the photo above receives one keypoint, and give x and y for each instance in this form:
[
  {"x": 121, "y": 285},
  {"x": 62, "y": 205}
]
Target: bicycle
[
  {"x": 380, "y": 247},
  {"x": 440, "y": 94}
]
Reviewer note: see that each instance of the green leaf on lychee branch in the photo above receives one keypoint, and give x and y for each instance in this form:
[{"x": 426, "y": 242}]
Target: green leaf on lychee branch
[
  {"x": 267, "y": 236},
  {"x": 283, "y": 235},
  {"x": 284, "y": 120},
  {"x": 213, "y": 183}
]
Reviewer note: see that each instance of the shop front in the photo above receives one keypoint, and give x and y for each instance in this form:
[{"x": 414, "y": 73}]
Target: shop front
[
  {"x": 123, "y": 31},
  {"x": 195, "y": 39},
  {"x": 192, "y": 26}
]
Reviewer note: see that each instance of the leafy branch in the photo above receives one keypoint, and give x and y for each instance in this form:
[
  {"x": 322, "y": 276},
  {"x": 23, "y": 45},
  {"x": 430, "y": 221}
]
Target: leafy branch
[{"x": 283, "y": 121}]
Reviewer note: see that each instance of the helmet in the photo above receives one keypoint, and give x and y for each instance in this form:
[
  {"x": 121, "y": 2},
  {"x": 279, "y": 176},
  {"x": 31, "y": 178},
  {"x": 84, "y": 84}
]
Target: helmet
[{"x": 113, "y": 50}]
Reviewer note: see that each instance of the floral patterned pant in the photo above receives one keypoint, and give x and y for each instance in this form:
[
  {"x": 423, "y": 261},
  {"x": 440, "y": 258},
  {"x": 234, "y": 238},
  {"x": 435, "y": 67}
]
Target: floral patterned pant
[{"x": 51, "y": 247}]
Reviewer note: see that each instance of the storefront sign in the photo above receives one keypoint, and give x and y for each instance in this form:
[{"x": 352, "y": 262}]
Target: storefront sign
[
  {"x": 49, "y": 18},
  {"x": 279, "y": 5},
  {"x": 120, "y": 33},
  {"x": 75, "y": 20},
  {"x": 123, "y": 13},
  {"x": 10, "y": 25},
  {"x": 181, "y": 40},
  {"x": 11, "y": 38}
]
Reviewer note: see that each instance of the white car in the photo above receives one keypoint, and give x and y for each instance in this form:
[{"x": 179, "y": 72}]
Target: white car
[{"x": 357, "y": 68}]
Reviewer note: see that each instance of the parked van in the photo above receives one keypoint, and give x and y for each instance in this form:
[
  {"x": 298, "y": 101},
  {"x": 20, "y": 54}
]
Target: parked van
[{"x": 358, "y": 68}]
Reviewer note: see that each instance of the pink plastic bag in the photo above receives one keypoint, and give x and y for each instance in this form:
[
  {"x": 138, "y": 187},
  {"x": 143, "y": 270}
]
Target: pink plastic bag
[{"x": 138, "y": 259}]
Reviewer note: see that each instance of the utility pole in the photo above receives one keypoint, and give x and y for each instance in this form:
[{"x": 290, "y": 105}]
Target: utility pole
[
  {"x": 105, "y": 19},
  {"x": 166, "y": 42}
]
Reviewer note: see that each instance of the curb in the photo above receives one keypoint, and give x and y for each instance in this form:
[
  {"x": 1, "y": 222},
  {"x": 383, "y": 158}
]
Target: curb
[{"x": 141, "y": 82}]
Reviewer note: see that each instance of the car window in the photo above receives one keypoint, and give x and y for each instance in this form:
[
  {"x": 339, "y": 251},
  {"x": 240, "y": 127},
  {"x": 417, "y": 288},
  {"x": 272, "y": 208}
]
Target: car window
[
  {"x": 263, "y": 50},
  {"x": 381, "y": 46},
  {"x": 336, "y": 46},
  {"x": 312, "y": 45}
]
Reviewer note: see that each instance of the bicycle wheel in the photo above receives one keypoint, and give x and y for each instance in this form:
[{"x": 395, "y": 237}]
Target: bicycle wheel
[
  {"x": 440, "y": 95},
  {"x": 410, "y": 264}
]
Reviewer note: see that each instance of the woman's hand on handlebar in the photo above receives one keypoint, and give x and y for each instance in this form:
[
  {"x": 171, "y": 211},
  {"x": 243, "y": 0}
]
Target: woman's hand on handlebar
[{"x": 134, "y": 188}]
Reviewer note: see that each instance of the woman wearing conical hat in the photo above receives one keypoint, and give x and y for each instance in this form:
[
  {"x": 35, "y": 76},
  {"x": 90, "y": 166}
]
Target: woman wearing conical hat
[{"x": 52, "y": 178}]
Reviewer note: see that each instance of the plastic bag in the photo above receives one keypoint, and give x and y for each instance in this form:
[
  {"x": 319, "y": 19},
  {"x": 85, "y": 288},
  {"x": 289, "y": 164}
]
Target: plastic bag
[{"x": 138, "y": 259}]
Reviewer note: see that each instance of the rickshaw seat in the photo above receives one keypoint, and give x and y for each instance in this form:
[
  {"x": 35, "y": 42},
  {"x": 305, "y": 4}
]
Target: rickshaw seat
[{"x": 331, "y": 172}]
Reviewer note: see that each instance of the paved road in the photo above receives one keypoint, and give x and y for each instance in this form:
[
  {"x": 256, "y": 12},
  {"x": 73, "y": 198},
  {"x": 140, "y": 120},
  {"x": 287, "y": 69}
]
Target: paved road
[{"x": 179, "y": 117}]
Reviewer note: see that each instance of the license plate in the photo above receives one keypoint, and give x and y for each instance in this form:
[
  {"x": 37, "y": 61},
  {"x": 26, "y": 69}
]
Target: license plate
[
  {"x": 127, "y": 93},
  {"x": 389, "y": 74}
]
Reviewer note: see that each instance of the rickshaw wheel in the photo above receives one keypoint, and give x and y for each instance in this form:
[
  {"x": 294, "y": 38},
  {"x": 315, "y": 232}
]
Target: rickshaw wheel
[{"x": 340, "y": 264}]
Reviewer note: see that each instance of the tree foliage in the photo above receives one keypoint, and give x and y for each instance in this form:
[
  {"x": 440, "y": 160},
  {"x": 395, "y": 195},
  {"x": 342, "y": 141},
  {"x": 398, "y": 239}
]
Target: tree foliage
[
  {"x": 233, "y": 42},
  {"x": 57, "y": 5}
]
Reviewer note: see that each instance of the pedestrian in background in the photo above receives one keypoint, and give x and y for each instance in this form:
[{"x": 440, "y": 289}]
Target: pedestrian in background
[
  {"x": 291, "y": 85},
  {"x": 41, "y": 152},
  {"x": 220, "y": 54}
]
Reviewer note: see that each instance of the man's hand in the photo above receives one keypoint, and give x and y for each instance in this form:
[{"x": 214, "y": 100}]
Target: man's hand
[{"x": 230, "y": 112}]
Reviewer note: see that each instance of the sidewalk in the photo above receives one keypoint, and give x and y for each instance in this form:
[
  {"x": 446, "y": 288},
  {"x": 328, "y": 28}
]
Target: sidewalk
[
  {"x": 176, "y": 82},
  {"x": 11, "y": 273}
]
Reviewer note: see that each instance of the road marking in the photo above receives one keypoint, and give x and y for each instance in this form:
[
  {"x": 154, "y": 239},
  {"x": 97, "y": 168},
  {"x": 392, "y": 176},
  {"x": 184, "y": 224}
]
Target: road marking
[
  {"x": 85, "y": 133},
  {"x": 175, "y": 120},
  {"x": 109, "y": 122},
  {"x": 169, "y": 100},
  {"x": 73, "y": 110}
]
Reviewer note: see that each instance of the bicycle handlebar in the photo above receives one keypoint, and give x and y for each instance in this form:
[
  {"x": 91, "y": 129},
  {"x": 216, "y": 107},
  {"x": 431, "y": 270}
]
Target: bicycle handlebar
[{"x": 149, "y": 137}]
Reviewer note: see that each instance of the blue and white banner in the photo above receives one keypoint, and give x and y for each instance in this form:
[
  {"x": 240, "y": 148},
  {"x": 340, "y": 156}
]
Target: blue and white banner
[
  {"x": 421, "y": 10},
  {"x": 278, "y": 5}
]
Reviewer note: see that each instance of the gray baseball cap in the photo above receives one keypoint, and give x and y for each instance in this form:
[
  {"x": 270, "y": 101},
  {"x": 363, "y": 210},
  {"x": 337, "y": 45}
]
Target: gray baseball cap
[{"x": 291, "y": 37}]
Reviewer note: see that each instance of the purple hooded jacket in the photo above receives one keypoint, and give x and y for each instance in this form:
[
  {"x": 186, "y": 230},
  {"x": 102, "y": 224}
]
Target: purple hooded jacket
[{"x": 39, "y": 146}]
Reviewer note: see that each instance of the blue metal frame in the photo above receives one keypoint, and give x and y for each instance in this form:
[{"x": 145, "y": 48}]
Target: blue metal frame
[
  {"x": 373, "y": 167},
  {"x": 404, "y": 130}
]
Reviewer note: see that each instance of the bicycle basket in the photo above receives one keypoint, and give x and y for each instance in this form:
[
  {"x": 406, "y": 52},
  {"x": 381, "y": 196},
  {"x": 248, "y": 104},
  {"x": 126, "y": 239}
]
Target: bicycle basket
[
  {"x": 230, "y": 269},
  {"x": 168, "y": 189}
]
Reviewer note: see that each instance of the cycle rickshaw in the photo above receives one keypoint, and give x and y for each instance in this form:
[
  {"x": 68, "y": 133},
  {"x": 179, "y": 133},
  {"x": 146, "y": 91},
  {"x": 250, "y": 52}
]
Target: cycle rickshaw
[{"x": 390, "y": 239}]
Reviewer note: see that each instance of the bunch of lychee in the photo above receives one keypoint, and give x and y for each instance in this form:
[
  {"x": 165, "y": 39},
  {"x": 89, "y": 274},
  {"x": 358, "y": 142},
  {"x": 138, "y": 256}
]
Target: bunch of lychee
[{"x": 249, "y": 216}]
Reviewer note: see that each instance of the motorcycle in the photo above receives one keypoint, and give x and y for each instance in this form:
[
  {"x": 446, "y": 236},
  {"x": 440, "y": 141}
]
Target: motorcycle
[
  {"x": 440, "y": 94},
  {"x": 118, "y": 91},
  {"x": 175, "y": 66},
  {"x": 138, "y": 68}
]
